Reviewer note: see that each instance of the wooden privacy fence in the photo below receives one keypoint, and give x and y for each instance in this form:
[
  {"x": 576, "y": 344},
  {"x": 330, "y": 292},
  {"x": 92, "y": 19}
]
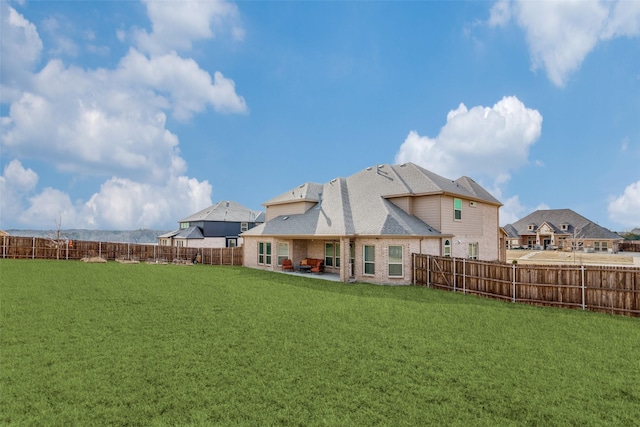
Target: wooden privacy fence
[
  {"x": 597, "y": 288},
  {"x": 41, "y": 248},
  {"x": 633, "y": 246}
]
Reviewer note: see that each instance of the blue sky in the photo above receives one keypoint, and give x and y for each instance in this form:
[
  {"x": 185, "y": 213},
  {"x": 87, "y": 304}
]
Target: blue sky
[{"x": 126, "y": 115}]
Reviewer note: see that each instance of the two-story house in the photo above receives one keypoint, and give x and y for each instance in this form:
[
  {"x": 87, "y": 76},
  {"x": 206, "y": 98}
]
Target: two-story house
[
  {"x": 367, "y": 226},
  {"x": 217, "y": 226}
]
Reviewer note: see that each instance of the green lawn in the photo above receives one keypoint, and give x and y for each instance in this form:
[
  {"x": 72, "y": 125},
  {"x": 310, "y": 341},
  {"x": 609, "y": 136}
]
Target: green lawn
[{"x": 113, "y": 344}]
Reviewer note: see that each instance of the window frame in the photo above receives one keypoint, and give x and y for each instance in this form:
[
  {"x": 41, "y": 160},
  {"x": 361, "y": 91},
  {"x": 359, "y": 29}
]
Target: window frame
[
  {"x": 279, "y": 255},
  {"x": 333, "y": 259},
  {"x": 244, "y": 226},
  {"x": 457, "y": 209},
  {"x": 329, "y": 254},
  {"x": 473, "y": 250},
  {"x": 368, "y": 262},
  {"x": 264, "y": 253},
  {"x": 446, "y": 245},
  {"x": 390, "y": 264}
]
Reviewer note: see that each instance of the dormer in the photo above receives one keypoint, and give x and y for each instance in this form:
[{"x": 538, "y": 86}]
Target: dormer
[
  {"x": 564, "y": 226},
  {"x": 531, "y": 227}
]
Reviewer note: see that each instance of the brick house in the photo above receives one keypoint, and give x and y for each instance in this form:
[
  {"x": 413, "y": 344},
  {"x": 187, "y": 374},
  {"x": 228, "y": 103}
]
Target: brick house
[
  {"x": 366, "y": 226},
  {"x": 560, "y": 229}
]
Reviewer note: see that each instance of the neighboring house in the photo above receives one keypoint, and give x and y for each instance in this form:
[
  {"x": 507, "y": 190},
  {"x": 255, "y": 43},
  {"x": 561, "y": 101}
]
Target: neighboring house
[
  {"x": 366, "y": 226},
  {"x": 217, "y": 226},
  {"x": 560, "y": 229}
]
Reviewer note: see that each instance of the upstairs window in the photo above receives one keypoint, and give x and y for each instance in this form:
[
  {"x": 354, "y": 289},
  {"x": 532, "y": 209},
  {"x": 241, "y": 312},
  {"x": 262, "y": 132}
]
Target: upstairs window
[
  {"x": 184, "y": 225},
  {"x": 244, "y": 226},
  {"x": 457, "y": 209}
]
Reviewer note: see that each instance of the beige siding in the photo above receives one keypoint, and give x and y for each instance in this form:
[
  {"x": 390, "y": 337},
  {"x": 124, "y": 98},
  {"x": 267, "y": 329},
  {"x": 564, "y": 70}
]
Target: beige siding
[
  {"x": 404, "y": 203},
  {"x": 288, "y": 209},
  {"x": 471, "y": 222},
  {"x": 427, "y": 208}
]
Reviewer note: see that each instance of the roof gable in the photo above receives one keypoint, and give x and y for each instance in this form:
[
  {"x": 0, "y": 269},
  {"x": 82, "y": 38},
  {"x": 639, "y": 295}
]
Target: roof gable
[
  {"x": 358, "y": 205},
  {"x": 226, "y": 211},
  {"x": 557, "y": 218}
]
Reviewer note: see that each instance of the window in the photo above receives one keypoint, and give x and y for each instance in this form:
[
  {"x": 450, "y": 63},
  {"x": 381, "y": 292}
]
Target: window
[
  {"x": 283, "y": 252},
  {"x": 244, "y": 226},
  {"x": 369, "y": 259},
  {"x": 232, "y": 242},
  {"x": 184, "y": 225},
  {"x": 332, "y": 254},
  {"x": 457, "y": 209},
  {"x": 264, "y": 253},
  {"x": 447, "y": 248},
  {"x": 395, "y": 261},
  {"x": 328, "y": 254},
  {"x": 596, "y": 246},
  {"x": 473, "y": 250}
]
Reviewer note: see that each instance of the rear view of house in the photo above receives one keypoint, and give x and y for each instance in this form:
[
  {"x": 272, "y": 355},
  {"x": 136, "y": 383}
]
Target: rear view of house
[
  {"x": 366, "y": 226},
  {"x": 217, "y": 226}
]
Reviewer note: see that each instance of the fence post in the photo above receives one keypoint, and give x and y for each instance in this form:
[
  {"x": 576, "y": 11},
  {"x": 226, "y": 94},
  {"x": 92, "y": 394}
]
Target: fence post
[
  {"x": 464, "y": 276},
  {"x": 454, "y": 274},
  {"x": 584, "y": 306},
  {"x": 211, "y": 256},
  {"x": 33, "y": 248},
  {"x": 4, "y": 246},
  {"x": 513, "y": 283},
  {"x": 428, "y": 271},
  {"x": 67, "y": 250},
  {"x": 232, "y": 255},
  {"x": 100, "y": 249},
  {"x": 414, "y": 268}
]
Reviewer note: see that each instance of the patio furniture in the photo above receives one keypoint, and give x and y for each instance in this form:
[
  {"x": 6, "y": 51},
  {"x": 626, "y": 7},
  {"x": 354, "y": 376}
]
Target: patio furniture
[{"x": 287, "y": 265}]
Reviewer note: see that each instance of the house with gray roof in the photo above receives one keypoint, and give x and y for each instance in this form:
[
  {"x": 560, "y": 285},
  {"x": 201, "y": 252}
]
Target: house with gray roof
[
  {"x": 217, "y": 226},
  {"x": 560, "y": 229},
  {"x": 366, "y": 227}
]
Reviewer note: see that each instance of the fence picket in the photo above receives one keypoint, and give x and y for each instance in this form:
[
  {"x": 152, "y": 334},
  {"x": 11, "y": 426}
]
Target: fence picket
[
  {"x": 42, "y": 248},
  {"x": 596, "y": 288}
]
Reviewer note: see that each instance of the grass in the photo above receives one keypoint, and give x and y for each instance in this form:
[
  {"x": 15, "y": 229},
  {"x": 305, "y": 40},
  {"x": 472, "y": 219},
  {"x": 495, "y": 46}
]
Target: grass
[{"x": 112, "y": 344}]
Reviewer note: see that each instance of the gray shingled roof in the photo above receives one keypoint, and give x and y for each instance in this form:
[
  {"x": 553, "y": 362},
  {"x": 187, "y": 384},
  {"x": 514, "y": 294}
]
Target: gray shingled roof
[
  {"x": 359, "y": 205},
  {"x": 584, "y": 228},
  {"x": 226, "y": 211}
]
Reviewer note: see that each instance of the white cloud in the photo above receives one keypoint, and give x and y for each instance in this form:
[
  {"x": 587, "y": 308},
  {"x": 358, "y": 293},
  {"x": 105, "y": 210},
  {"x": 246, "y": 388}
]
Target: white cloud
[
  {"x": 500, "y": 13},
  {"x": 123, "y": 203},
  {"x": 120, "y": 203},
  {"x": 15, "y": 183},
  {"x": 560, "y": 34},
  {"x": 486, "y": 141},
  {"x": 21, "y": 48},
  {"x": 482, "y": 142},
  {"x": 625, "y": 209},
  {"x": 109, "y": 123},
  {"x": 511, "y": 210},
  {"x": 189, "y": 87},
  {"x": 177, "y": 24}
]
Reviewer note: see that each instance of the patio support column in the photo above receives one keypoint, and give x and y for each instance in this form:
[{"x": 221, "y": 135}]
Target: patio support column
[{"x": 344, "y": 259}]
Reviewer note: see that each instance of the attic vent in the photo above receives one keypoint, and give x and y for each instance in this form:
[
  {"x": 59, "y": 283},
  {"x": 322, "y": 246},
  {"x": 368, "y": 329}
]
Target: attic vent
[
  {"x": 333, "y": 180},
  {"x": 285, "y": 218},
  {"x": 472, "y": 204},
  {"x": 369, "y": 168},
  {"x": 403, "y": 165}
]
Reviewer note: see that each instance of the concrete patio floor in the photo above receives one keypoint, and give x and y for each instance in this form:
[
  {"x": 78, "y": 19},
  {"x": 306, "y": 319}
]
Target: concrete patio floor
[{"x": 332, "y": 277}]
